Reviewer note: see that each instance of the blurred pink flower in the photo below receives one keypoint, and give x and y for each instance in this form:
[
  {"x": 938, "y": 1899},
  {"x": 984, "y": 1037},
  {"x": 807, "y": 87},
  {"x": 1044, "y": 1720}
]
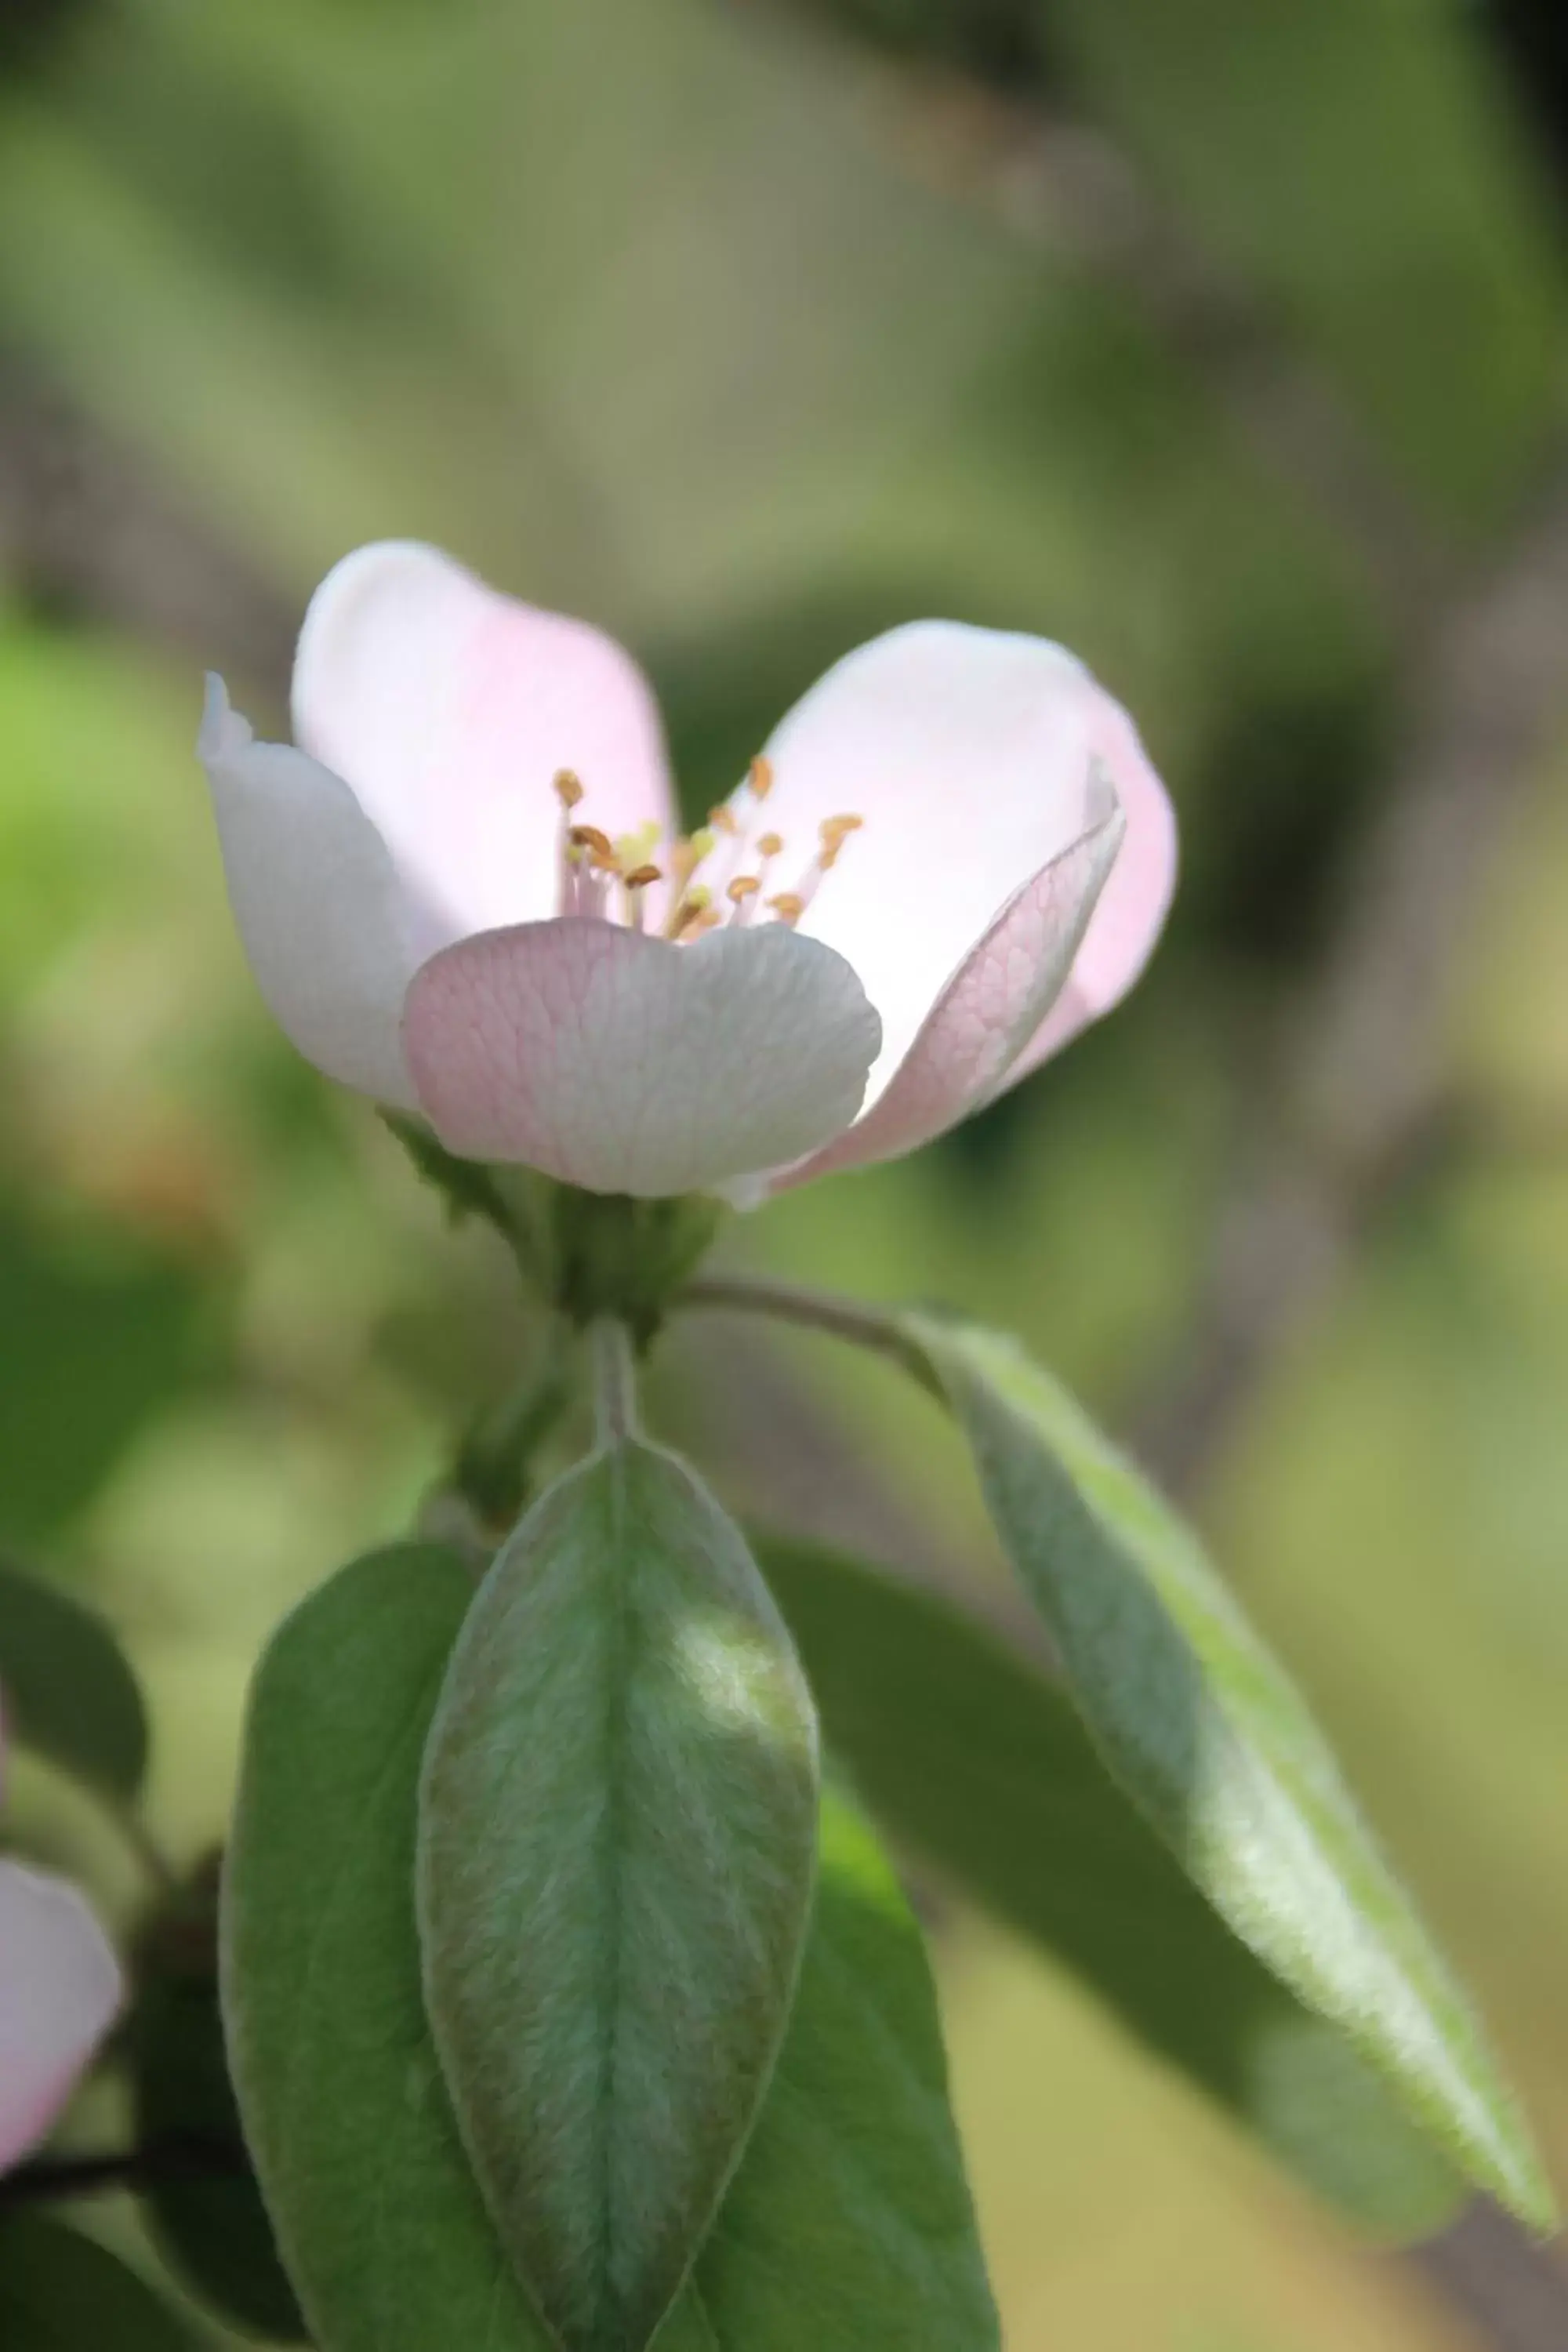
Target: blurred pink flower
[
  {"x": 60, "y": 1992},
  {"x": 466, "y": 892}
]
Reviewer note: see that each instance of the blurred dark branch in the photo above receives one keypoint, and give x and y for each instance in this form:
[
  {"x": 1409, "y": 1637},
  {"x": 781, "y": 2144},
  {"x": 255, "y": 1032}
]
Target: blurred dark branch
[
  {"x": 87, "y": 528},
  {"x": 1355, "y": 1085},
  {"x": 1515, "y": 2293},
  {"x": 1061, "y": 184}
]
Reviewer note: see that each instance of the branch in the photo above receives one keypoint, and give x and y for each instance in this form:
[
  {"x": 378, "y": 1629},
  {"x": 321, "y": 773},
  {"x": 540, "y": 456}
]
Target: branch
[
  {"x": 1057, "y": 182},
  {"x": 86, "y": 524},
  {"x": 1358, "y": 1064},
  {"x": 55, "y": 2179}
]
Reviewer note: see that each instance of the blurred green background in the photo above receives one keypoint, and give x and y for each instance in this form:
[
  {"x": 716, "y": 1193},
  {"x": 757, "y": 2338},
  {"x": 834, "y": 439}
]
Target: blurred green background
[{"x": 748, "y": 330}]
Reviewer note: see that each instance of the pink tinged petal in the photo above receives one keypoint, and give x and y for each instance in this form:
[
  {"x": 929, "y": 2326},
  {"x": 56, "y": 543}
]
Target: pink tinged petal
[
  {"x": 332, "y": 936},
  {"x": 60, "y": 1991},
  {"x": 968, "y": 754},
  {"x": 449, "y": 709},
  {"x": 620, "y": 1063},
  {"x": 1125, "y": 926},
  {"x": 966, "y": 1049}
]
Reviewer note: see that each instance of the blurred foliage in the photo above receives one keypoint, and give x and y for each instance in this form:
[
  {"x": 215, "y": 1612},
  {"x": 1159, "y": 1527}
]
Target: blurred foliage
[{"x": 671, "y": 312}]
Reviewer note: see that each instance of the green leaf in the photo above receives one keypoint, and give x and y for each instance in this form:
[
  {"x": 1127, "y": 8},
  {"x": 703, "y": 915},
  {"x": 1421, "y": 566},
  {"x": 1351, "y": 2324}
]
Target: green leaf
[
  {"x": 103, "y": 1331},
  {"x": 209, "y": 2221},
  {"x": 848, "y": 2225},
  {"x": 60, "y": 2292},
  {"x": 1200, "y": 1724},
  {"x": 67, "y": 1688},
  {"x": 381, "y": 2226},
  {"x": 618, "y": 1846},
  {"x": 980, "y": 1763}
]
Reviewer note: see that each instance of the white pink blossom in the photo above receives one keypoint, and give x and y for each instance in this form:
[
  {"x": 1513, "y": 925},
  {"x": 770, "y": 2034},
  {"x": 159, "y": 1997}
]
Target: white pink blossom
[
  {"x": 60, "y": 1991},
  {"x": 466, "y": 894}
]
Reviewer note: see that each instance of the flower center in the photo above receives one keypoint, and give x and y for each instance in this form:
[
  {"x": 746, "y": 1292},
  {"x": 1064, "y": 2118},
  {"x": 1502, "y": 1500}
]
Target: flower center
[{"x": 718, "y": 874}]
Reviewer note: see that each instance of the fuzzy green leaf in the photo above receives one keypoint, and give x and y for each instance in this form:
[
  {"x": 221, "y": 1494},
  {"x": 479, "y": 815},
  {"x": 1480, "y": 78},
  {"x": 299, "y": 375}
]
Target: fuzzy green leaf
[
  {"x": 60, "y": 2292},
  {"x": 980, "y": 1763},
  {"x": 66, "y": 1686},
  {"x": 848, "y": 2225},
  {"x": 617, "y": 1845},
  {"x": 380, "y": 2224},
  {"x": 1207, "y": 1734},
  {"x": 208, "y": 2220}
]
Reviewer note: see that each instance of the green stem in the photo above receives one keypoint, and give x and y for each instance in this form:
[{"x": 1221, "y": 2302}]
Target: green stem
[
  {"x": 614, "y": 1379},
  {"x": 814, "y": 1310}
]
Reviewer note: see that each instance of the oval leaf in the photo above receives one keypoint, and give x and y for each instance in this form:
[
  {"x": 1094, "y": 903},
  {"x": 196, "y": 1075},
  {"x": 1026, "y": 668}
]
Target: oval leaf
[
  {"x": 978, "y": 1762},
  {"x": 848, "y": 2225},
  {"x": 208, "y": 2220},
  {"x": 382, "y": 2228},
  {"x": 66, "y": 1688},
  {"x": 1207, "y": 1733},
  {"x": 60, "y": 2292},
  {"x": 617, "y": 1844}
]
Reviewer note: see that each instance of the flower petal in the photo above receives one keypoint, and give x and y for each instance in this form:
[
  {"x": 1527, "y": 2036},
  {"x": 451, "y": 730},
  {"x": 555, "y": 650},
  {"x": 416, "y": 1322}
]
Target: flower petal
[
  {"x": 331, "y": 935},
  {"x": 621, "y": 1063},
  {"x": 60, "y": 1991},
  {"x": 449, "y": 708},
  {"x": 966, "y": 1049},
  {"x": 968, "y": 754},
  {"x": 1126, "y": 924}
]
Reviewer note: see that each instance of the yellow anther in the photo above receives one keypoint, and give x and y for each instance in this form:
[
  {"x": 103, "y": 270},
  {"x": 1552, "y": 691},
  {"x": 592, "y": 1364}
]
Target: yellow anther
[
  {"x": 789, "y": 906},
  {"x": 835, "y": 829},
  {"x": 598, "y": 845},
  {"x": 695, "y": 913},
  {"x": 568, "y": 787},
  {"x": 744, "y": 886},
  {"x": 770, "y": 845},
  {"x": 762, "y": 777},
  {"x": 722, "y": 819},
  {"x": 641, "y": 876}
]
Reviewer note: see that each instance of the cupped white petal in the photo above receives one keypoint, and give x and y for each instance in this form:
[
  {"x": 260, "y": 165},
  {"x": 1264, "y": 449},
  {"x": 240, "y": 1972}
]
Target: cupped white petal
[
  {"x": 618, "y": 1061},
  {"x": 61, "y": 1990},
  {"x": 968, "y": 754},
  {"x": 332, "y": 933},
  {"x": 970, "y": 1042},
  {"x": 449, "y": 708}
]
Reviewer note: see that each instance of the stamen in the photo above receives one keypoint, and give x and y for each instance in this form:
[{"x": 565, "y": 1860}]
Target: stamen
[
  {"x": 598, "y": 845},
  {"x": 691, "y": 915},
  {"x": 723, "y": 819},
  {"x": 568, "y": 787},
  {"x": 762, "y": 776},
  {"x": 770, "y": 845},
  {"x": 789, "y": 906},
  {"x": 742, "y": 887},
  {"x": 633, "y": 883}
]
